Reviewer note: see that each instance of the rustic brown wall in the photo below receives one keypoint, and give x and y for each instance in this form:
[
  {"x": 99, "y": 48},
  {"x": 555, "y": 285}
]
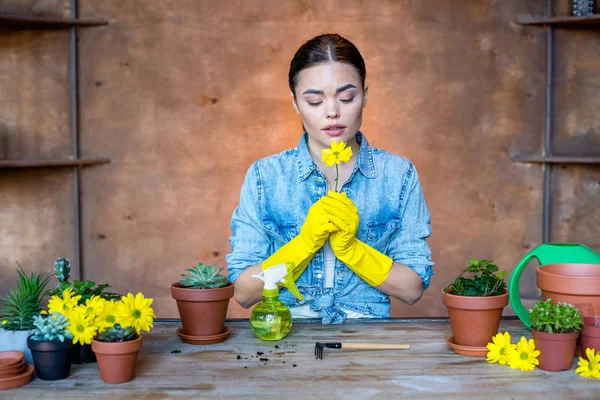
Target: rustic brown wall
[{"x": 184, "y": 95}]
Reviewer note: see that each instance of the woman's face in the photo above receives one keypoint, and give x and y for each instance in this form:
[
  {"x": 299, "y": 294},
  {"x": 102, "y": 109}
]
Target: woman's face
[{"x": 330, "y": 99}]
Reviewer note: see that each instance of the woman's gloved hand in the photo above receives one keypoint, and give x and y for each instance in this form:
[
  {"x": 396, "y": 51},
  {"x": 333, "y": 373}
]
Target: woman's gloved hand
[
  {"x": 368, "y": 263},
  {"x": 301, "y": 249}
]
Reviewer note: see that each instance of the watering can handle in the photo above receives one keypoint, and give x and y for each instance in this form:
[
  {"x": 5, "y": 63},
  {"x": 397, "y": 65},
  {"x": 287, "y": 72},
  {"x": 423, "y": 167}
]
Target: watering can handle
[{"x": 513, "y": 289}]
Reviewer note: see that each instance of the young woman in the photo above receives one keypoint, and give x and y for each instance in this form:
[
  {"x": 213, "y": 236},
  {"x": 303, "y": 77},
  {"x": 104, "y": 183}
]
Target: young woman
[{"x": 352, "y": 249}]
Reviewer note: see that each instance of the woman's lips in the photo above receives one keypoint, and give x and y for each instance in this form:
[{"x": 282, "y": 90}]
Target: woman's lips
[{"x": 334, "y": 130}]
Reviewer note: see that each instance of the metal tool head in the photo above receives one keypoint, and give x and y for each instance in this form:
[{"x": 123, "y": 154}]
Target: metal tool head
[{"x": 319, "y": 346}]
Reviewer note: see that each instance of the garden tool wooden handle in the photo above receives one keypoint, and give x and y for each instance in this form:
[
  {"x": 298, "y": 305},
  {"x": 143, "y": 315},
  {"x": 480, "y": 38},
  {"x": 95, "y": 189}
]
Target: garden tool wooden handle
[{"x": 374, "y": 346}]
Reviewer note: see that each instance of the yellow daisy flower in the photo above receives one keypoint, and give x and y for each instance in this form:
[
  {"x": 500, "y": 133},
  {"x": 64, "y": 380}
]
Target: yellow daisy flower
[
  {"x": 94, "y": 306},
  {"x": 589, "y": 368},
  {"x": 63, "y": 304},
  {"x": 524, "y": 357},
  {"x": 108, "y": 317},
  {"x": 136, "y": 312},
  {"x": 500, "y": 348},
  {"x": 81, "y": 327},
  {"x": 338, "y": 152}
]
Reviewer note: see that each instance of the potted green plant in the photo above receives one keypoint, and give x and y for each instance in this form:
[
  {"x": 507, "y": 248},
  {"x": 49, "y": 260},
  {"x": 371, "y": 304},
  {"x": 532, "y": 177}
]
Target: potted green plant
[
  {"x": 555, "y": 329},
  {"x": 475, "y": 301},
  {"x": 18, "y": 307},
  {"x": 202, "y": 300},
  {"x": 50, "y": 346},
  {"x": 83, "y": 291},
  {"x": 117, "y": 346}
]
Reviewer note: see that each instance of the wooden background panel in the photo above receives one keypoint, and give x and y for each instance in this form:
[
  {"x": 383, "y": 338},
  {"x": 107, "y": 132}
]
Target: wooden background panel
[
  {"x": 183, "y": 96},
  {"x": 35, "y": 205}
]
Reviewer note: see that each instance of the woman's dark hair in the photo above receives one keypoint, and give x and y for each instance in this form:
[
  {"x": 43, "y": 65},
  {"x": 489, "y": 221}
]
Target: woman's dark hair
[{"x": 325, "y": 48}]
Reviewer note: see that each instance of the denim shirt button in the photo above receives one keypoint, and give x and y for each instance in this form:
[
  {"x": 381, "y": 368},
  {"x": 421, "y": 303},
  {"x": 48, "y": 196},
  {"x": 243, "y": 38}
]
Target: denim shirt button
[{"x": 319, "y": 276}]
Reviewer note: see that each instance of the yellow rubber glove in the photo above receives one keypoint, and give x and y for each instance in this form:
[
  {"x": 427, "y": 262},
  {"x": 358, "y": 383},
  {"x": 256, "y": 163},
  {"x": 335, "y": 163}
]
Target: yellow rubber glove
[
  {"x": 371, "y": 265},
  {"x": 298, "y": 252}
]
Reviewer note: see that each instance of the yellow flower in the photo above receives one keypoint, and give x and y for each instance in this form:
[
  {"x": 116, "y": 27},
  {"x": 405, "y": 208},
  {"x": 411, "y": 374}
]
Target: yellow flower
[
  {"x": 136, "y": 312},
  {"x": 94, "y": 306},
  {"x": 81, "y": 327},
  {"x": 338, "y": 152},
  {"x": 108, "y": 317},
  {"x": 500, "y": 348},
  {"x": 524, "y": 357},
  {"x": 589, "y": 368},
  {"x": 64, "y": 304}
]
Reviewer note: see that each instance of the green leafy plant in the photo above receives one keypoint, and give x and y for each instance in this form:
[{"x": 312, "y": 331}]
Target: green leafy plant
[
  {"x": 485, "y": 281},
  {"x": 203, "y": 277},
  {"x": 85, "y": 289},
  {"x": 117, "y": 333},
  {"x": 555, "y": 318},
  {"x": 21, "y": 304},
  {"x": 51, "y": 328}
]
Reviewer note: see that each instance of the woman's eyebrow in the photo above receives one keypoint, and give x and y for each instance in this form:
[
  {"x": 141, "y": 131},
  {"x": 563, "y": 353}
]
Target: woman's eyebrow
[{"x": 340, "y": 89}]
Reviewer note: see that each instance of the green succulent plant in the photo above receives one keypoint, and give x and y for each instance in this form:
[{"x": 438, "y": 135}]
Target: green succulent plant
[
  {"x": 117, "y": 333},
  {"x": 51, "y": 328},
  {"x": 485, "y": 281},
  {"x": 555, "y": 318},
  {"x": 203, "y": 277},
  {"x": 21, "y": 304}
]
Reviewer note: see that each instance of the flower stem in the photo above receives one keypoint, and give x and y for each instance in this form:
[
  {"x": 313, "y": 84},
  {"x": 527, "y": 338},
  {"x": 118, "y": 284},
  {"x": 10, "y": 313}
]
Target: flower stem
[{"x": 336, "y": 176}]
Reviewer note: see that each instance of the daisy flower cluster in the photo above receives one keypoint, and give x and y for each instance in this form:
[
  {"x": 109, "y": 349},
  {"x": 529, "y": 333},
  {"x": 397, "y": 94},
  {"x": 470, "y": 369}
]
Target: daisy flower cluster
[
  {"x": 522, "y": 355},
  {"x": 96, "y": 314}
]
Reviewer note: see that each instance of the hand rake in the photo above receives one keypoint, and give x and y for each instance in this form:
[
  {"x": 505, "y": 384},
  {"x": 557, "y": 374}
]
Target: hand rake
[{"x": 319, "y": 346}]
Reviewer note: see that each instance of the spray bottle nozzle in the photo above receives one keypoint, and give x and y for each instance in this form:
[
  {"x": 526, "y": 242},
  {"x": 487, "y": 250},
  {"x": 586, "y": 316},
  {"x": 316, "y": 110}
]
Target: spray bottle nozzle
[{"x": 280, "y": 273}]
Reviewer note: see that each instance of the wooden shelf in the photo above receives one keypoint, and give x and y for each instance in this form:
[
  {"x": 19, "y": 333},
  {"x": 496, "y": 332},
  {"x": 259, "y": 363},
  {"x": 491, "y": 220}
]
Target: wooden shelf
[
  {"x": 536, "y": 159},
  {"x": 52, "y": 163},
  {"x": 8, "y": 20},
  {"x": 564, "y": 21}
]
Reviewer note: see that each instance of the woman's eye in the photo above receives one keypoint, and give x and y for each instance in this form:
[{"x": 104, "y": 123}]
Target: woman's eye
[
  {"x": 315, "y": 104},
  {"x": 347, "y": 100}
]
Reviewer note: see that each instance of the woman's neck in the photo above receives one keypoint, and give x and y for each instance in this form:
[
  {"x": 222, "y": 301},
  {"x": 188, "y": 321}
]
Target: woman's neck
[{"x": 315, "y": 152}]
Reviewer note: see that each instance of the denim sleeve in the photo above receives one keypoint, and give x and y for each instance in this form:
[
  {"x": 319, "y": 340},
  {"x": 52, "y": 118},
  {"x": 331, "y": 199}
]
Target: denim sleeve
[
  {"x": 250, "y": 244},
  {"x": 408, "y": 245}
]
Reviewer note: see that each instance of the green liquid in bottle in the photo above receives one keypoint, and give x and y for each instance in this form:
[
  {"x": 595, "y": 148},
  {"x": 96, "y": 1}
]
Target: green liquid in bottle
[{"x": 271, "y": 319}]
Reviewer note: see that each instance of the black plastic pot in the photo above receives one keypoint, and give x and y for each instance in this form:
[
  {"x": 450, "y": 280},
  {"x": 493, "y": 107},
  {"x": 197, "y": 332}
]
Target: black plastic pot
[
  {"x": 52, "y": 360},
  {"x": 82, "y": 354}
]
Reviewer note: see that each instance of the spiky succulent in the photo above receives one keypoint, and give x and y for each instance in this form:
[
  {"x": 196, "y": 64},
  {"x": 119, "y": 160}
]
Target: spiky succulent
[
  {"x": 21, "y": 304},
  {"x": 203, "y": 277},
  {"x": 117, "y": 333},
  {"x": 50, "y": 328}
]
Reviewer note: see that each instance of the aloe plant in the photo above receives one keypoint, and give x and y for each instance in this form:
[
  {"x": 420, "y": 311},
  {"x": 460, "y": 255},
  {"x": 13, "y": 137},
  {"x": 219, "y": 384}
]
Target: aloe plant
[
  {"x": 203, "y": 277},
  {"x": 21, "y": 304}
]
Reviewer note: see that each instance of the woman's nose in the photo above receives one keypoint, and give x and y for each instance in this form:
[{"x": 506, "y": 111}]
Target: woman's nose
[{"x": 332, "y": 110}]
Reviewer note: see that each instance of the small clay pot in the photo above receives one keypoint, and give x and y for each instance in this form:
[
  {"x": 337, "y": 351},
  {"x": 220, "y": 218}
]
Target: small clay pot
[
  {"x": 202, "y": 311},
  {"x": 117, "y": 360},
  {"x": 590, "y": 335},
  {"x": 52, "y": 360},
  {"x": 556, "y": 349},
  {"x": 475, "y": 320}
]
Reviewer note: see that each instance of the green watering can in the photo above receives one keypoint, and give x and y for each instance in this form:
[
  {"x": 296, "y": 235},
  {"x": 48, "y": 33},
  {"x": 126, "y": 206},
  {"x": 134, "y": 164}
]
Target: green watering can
[{"x": 547, "y": 253}]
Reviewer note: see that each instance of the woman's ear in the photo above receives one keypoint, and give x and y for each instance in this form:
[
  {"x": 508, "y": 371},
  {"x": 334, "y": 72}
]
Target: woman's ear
[
  {"x": 366, "y": 95},
  {"x": 294, "y": 103}
]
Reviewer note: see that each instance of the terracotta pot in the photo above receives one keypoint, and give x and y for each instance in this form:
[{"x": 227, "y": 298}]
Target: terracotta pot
[
  {"x": 52, "y": 359},
  {"x": 589, "y": 336},
  {"x": 556, "y": 349},
  {"x": 577, "y": 284},
  {"x": 202, "y": 311},
  {"x": 117, "y": 360},
  {"x": 474, "y": 320}
]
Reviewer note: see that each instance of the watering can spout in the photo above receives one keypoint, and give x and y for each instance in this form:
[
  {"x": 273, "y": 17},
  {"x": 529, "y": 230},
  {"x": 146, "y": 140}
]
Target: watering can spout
[{"x": 547, "y": 253}]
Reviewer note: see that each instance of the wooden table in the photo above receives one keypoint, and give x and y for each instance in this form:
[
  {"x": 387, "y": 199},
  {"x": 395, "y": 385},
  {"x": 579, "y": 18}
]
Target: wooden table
[{"x": 288, "y": 369}]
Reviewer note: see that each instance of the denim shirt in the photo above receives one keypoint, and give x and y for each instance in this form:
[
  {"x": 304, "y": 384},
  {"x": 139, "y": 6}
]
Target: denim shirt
[{"x": 278, "y": 191}]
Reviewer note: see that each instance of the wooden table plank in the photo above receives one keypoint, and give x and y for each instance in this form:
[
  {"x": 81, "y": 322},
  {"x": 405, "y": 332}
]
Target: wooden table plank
[{"x": 289, "y": 369}]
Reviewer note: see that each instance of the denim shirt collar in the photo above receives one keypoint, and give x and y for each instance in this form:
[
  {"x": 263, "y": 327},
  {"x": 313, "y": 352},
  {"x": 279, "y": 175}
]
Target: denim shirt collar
[{"x": 364, "y": 162}]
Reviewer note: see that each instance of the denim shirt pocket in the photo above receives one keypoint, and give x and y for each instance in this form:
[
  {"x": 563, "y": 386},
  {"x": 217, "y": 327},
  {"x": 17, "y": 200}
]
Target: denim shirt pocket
[
  {"x": 381, "y": 230},
  {"x": 281, "y": 233}
]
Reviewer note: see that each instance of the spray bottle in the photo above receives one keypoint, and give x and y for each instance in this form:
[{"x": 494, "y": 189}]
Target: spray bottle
[{"x": 271, "y": 319}]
